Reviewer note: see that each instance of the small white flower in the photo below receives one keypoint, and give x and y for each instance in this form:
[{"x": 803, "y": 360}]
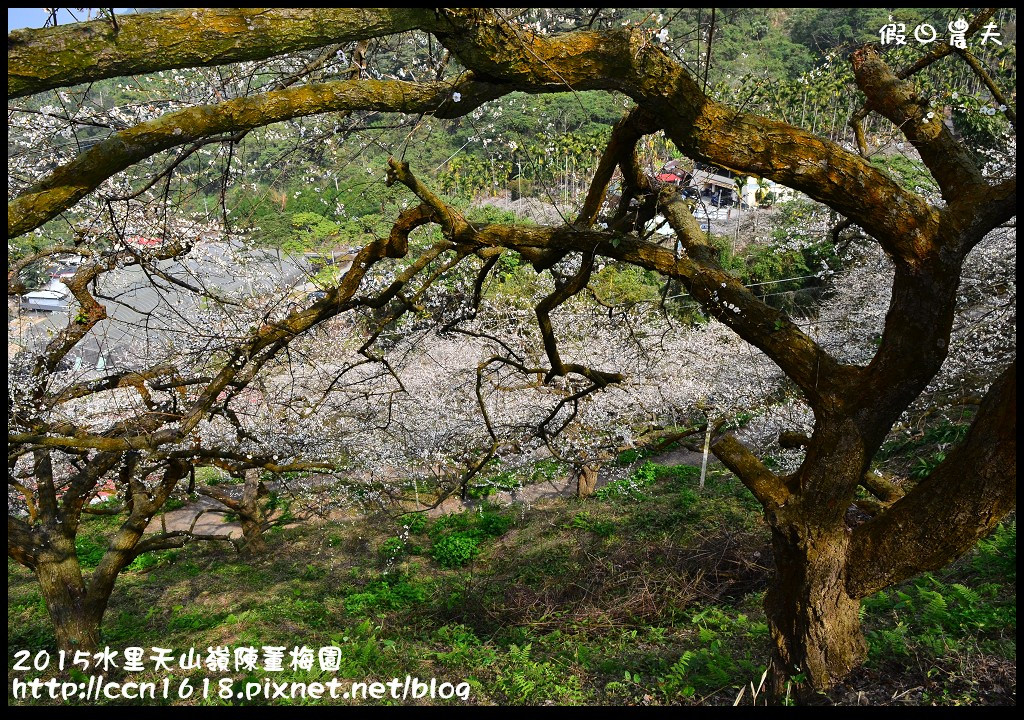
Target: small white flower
[
  {"x": 456, "y": 97},
  {"x": 1002, "y": 108},
  {"x": 663, "y": 35},
  {"x": 931, "y": 115}
]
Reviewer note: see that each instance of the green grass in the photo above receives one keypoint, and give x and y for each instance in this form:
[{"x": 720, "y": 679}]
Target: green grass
[
  {"x": 494, "y": 479},
  {"x": 968, "y": 607},
  {"x": 652, "y": 597}
]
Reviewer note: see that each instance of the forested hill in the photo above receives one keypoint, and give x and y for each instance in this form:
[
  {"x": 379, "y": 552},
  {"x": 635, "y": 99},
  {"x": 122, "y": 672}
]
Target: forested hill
[{"x": 311, "y": 179}]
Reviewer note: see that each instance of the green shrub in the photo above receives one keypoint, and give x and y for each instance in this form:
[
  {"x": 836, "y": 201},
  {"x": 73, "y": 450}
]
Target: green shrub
[
  {"x": 173, "y": 503},
  {"x": 391, "y": 549},
  {"x": 925, "y": 465},
  {"x": 911, "y": 174},
  {"x": 997, "y": 554},
  {"x": 454, "y": 523},
  {"x": 416, "y": 523},
  {"x": 719, "y": 661},
  {"x": 688, "y": 498},
  {"x": 387, "y": 593},
  {"x": 485, "y": 487},
  {"x": 455, "y": 550},
  {"x": 210, "y": 476},
  {"x": 601, "y": 528},
  {"x": 524, "y": 680},
  {"x": 628, "y": 457},
  {"x": 934, "y": 616},
  {"x": 150, "y": 560},
  {"x": 494, "y": 524},
  {"x": 491, "y": 482},
  {"x": 462, "y": 648},
  {"x": 547, "y": 470},
  {"x": 679, "y": 475},
  {"x": 626, "y": 285}
]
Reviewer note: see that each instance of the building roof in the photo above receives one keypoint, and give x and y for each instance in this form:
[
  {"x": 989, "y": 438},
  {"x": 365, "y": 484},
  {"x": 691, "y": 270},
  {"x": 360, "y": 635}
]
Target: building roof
[
  {"x": 669, "y": 177},
  {"x": 145, "y": 312}
]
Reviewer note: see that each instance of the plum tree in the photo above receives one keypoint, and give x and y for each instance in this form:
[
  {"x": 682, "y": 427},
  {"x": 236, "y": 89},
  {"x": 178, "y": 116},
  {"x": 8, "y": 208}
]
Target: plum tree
[{"x": 823, "y": 567}]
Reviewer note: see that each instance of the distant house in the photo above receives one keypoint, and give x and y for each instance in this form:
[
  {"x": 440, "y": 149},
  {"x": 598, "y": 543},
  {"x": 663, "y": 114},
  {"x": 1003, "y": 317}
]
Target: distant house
[
  {"x": 715, "y": 182},
  {"x": 673, "y": 173},
  {"x": 143, "y": 242},
  {"x": 54, "y": 296}
]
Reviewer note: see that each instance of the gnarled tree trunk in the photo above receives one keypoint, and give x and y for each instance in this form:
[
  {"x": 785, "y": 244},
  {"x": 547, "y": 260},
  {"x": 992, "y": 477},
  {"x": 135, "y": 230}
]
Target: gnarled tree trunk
[
  {"x": 814, "y": 620},
  {"x": 815, "y": 624},
  {"x": 251, "y": 514},
  {"x": 76, "y": 621},
  {"x": 76, "y": 603}
]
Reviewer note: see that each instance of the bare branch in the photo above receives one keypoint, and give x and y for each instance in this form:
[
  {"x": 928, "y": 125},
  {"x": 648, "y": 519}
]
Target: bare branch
[{"x": 767, "y": 487}]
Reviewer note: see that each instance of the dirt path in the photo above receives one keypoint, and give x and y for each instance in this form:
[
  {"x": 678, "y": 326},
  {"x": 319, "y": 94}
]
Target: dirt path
[
  {"x": 684, "y": 456},
  {"x": 527, "y": 495},
  {"x": 211, "y": 523}
]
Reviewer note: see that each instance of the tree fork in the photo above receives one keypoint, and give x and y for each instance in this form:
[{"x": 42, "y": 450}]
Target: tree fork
[{"x": 962, "y": 500}]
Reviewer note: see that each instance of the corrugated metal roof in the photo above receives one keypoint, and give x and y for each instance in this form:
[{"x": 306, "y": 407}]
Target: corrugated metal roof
[{"x": 145, "y": 312}]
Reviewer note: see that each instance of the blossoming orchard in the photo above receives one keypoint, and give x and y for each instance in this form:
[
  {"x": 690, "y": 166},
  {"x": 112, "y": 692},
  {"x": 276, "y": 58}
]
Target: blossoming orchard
[{"x": 368, "y": 258}]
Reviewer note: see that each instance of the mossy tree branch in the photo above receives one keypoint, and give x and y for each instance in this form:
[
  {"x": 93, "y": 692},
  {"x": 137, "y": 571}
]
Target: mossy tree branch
[
  {"x": 962, "y": 499},
  {"x": 39, "y": 60},
  {"x": 947, "y": 159},
  {"x": 72, "y": 181}
]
